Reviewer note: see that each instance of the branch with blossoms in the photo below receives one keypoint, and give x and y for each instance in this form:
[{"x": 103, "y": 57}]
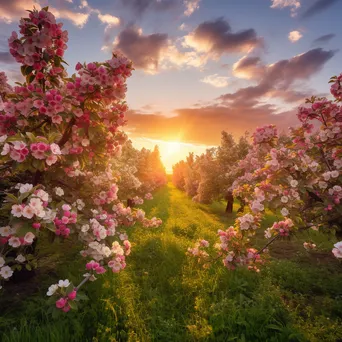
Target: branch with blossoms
[{"x": 58, "y": 138}]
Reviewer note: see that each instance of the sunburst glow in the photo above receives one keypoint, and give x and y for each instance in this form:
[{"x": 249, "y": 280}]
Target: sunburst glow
[{"x": 171, "y": 152}]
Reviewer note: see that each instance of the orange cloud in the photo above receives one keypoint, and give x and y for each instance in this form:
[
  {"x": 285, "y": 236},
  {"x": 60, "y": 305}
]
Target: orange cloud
[
  {"x": 204, "y": 125},
  {"x": 216, "y": 80},
  {"x": 14, "y": 9}
]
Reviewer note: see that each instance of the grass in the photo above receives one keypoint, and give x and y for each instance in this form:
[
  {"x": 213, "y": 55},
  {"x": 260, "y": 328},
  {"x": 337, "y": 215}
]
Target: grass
[{"x": 164, "y": 296}]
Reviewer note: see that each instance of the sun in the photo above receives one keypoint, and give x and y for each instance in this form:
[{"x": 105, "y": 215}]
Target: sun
[{"x": 171, "y": 148}]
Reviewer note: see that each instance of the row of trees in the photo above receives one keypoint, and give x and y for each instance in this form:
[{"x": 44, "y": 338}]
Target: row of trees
[
  {"x": 139, "y": 172},
  {"x": 209, "y": 177},
  {"x": 298, "y": 178}
]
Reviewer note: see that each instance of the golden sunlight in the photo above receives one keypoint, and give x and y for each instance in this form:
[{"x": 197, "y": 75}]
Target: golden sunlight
[
  {"x": 171, "y": 152},
  {"x": 169, "y": 148}
]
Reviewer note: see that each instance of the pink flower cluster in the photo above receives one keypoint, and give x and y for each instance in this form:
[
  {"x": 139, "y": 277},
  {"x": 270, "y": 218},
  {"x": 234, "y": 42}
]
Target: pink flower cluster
[
  {"x": 199, "y": 252},
  {"x": 117, "y": 264},
  {"x": 283, "y": 228},
  {"x": 67, "y": 293},
  {"x": 43, "y": 40},
  {"x": 265, "y": 134},
  {"x": 225, "y": 237},
  {"x": 95, "y": 266},
  {"x": 52, "y": 104},
  {"x": 337, "y": 251},
  {"x": 149, "y": 196},
  {"x": 138, "y": 200},
  {"x": 107, "y": 197},
  {"x": 7, "y": 124},
  {"x": 17, "y": 150},
  {"x": 248, "y": 221},
  {"x": 41, "y": 150},
  {"x": 309, "y": 246},
  {"x": 67, "y": 218},
  {"x": 8, "y": 236},
  {"x": 154, "y": 222},
  {"x": 104, "y": 80}
]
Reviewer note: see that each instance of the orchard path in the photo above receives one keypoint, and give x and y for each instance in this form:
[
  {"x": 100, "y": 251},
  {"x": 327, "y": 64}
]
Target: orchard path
[{"x": 159, "y": 287}]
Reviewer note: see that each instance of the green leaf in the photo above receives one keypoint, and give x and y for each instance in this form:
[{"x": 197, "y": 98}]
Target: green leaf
[
  {"x": 28, "y": 267},
  {"x": 30, "y": 78},
  {"x": 46, "y": 57},
  {"x": 57, "y": 61},
  {"x": 63, "y": 61},
  {"x": 51, "y": 227},
  {"x": 274, "y": 327},
  {"x": 70, "y": 288},
  {"x": 23, "y": 196},
  {"x": 27, "y": 70},
  {"x": 22, "y": 69},
  {"x": 11, "y": 198},
  {"x": 82, "y": 296},
  {"x": 31, "y": 136},
  {"x": 73, "y": 305}
]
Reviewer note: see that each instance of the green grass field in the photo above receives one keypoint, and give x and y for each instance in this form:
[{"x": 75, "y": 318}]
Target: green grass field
[{"x": 163, "y": 295}]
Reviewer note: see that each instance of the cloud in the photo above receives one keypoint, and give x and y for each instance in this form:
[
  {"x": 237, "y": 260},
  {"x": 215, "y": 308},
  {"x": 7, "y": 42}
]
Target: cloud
[
  {"x": 216, "y": 80},
  {"x": 191, "y": 6},
  {"x": 204, "y": 125},
  {"x": 240, "y": 111},
  {"x": 173, "y": 57},
  {"x": 294, "y": 36},
  {"x": 323, "y": 39},
  {"x": 293, "y": 4},
  {"x": 216, "y": 38},
  {"x": 280, "y": 75},
  {"x": 15, "y": 9},
  {"x": 78, "y": 19},
  {"x": 108, "y": 19},
  {"x": 183, "y": 27},
  {"x": 6, "y": 58},
  {"x": 144, "y": 50},
  {"x": 140, "y": 6},
  {"x": 317, "y": 7},
  {"x": 249, "y": 68}
]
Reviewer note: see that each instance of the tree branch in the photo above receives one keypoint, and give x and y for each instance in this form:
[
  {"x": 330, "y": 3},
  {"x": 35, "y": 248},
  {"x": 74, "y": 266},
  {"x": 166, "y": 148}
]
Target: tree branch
[{"x": 67, "y": 133}]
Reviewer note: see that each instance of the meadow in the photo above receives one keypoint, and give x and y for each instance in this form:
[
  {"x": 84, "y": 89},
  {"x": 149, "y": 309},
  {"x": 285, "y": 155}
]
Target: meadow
[{"x": 164, "y": 295}]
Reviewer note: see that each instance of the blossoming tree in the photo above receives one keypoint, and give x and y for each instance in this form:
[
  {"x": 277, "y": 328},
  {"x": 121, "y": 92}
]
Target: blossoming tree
[
  {"x": 58, "y": 136},
  {"x": 300, "y": 181}
]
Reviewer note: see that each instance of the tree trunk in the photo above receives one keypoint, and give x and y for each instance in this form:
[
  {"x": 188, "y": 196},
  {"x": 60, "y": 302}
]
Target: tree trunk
[
  {"x": 229, "y": 207},
  {"x": 130, "y": 203},
  {"x": 230, "y": 201}
]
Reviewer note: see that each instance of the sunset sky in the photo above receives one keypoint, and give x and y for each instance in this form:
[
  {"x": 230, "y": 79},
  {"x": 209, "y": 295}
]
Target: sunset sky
[{"x": 202, "y": 66}]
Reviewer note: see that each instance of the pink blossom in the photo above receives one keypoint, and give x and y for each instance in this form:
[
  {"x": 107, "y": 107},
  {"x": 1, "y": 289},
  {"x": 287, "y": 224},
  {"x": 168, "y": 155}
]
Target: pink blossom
[{"x": 61, "y": 302}]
